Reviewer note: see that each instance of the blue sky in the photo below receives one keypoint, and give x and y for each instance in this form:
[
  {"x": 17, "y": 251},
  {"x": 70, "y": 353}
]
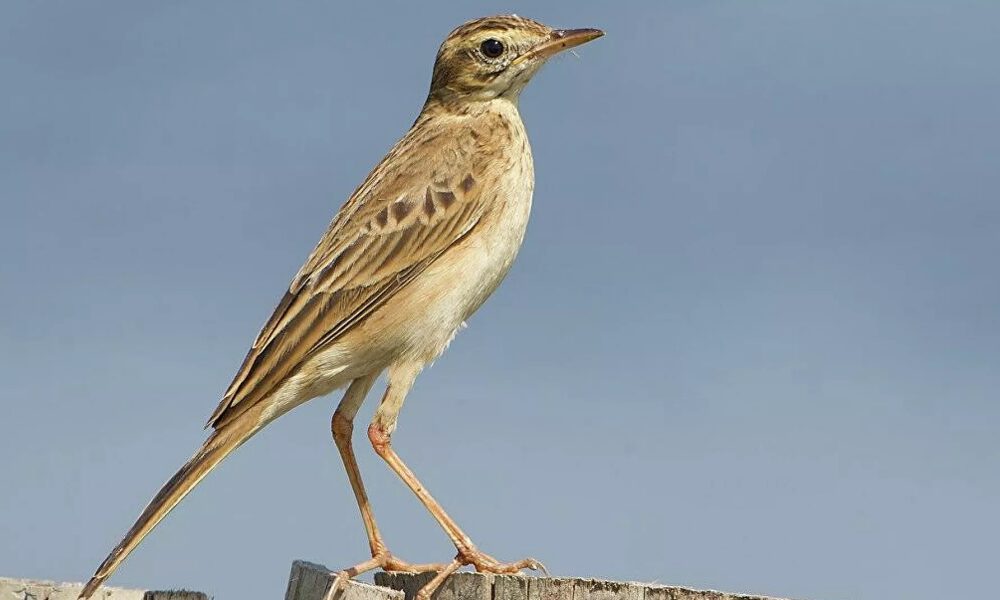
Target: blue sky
[{"x": 751, "y": 342}]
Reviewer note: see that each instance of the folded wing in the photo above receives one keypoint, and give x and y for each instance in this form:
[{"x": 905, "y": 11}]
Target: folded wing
[{"x": 393, "y": 227}]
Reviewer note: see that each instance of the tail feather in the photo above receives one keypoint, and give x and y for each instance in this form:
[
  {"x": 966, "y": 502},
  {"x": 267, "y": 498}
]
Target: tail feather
[{"x": 217, "y": 447}]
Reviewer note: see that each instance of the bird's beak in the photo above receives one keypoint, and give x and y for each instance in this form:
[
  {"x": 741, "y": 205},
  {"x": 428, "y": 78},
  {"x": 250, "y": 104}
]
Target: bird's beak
[{"x": 562, "y": 39}]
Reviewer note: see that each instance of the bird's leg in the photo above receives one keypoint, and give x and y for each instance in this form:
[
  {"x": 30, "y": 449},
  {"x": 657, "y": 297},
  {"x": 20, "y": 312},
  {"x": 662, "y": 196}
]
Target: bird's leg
[
  {"x": 468, "y": 554},
  {"x": 342, "y": 426},
  {"x": 379, "y": 433}
]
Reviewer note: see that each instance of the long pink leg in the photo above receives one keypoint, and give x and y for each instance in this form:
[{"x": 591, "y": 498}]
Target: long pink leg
[
  {"x": 379, "y": 432},
  {"x": 342, "y": 426}
]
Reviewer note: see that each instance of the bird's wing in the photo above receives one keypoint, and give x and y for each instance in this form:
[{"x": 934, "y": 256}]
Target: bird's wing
[{"x": 396, "y": 224}]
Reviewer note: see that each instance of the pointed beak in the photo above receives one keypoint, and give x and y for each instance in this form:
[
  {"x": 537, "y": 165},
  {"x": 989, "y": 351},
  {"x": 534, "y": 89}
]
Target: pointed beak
[{"x": 563, "y": 39}]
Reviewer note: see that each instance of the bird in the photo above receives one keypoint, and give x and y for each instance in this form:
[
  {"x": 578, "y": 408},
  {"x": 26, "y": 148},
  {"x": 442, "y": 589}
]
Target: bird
[{"x": 408, "y": 258}]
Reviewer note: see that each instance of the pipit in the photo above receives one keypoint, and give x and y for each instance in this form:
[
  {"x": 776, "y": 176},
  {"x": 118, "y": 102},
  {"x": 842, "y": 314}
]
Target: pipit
[{"x": 417, "y": 248}]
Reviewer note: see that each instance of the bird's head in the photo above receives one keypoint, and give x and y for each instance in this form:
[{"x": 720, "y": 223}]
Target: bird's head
[{"x": 496, "y": 56}]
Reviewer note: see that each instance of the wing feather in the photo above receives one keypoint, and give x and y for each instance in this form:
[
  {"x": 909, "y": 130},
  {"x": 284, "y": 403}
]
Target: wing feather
[{"x": 393, "y": 227}]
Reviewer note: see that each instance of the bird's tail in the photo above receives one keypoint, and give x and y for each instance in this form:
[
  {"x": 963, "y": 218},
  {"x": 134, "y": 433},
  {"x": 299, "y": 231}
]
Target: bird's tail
[{"x": 217, "y": 447}]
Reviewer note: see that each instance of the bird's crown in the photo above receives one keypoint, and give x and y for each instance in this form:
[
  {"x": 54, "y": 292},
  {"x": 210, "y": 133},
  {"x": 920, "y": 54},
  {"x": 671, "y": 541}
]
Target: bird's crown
[{"x": 496, "y": 56}]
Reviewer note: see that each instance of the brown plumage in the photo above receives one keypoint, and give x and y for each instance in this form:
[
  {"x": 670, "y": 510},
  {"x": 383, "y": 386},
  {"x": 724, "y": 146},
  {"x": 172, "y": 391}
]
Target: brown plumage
[{"x": 417, "y": 248}]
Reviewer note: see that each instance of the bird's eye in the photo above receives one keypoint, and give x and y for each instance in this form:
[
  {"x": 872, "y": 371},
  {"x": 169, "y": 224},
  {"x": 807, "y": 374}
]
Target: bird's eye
[{"x": 492, "y": 48}]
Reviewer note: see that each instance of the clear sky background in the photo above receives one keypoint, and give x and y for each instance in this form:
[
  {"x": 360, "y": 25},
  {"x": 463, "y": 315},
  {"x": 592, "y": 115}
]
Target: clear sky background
[{"x": 752, "y": 340}]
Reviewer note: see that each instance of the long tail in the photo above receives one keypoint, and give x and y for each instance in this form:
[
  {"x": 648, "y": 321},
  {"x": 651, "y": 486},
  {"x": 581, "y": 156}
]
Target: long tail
[{"x": 217, "y": 447}]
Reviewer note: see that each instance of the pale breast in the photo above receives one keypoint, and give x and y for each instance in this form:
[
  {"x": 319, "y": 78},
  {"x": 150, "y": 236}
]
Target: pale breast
[
  {"x": 461, "y": 281},
  {"x": 457, "y": 284}
]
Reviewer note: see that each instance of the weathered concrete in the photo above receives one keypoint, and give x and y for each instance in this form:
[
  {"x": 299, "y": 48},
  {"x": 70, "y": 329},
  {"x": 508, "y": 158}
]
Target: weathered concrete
[
  {"x": 309, "y": 581},
  {"x": 476, "y": 586},
  {"x": 29, "y": 589}
]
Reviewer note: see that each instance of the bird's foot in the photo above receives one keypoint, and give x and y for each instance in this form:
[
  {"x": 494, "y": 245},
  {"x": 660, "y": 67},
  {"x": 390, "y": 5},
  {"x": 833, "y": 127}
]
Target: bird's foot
[
  {"x": 484, "y": 563},
  {"x": 383, "y": 559},
  {"x": 394, "y": 563}
]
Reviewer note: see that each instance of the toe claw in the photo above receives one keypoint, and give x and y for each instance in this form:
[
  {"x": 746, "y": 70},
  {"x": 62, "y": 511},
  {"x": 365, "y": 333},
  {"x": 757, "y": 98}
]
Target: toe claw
[
  {"x": 536, "y": 565},
  {"x": 484, "y": 563}
]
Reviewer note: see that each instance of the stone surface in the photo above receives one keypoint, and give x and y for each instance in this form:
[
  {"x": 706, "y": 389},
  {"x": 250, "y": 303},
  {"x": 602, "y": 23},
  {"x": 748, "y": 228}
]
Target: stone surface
[
  {"x": 174, "y": 595},
  {"x": 476, "y": 586},
  {"x": 29, "y": 589},
  {"x": 597, "y": 589},
  {"x": 460, "y": 586},
  {"x": 309, "y": 581}
]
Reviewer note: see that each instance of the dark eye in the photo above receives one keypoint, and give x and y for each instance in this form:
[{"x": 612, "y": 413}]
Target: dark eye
[{"x": 492, "y": 48}]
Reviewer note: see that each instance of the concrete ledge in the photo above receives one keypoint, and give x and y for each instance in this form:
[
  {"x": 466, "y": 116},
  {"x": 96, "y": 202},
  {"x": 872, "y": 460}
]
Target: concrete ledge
[
  {"x": 30, "y": 589},
  {"x": 311, "y": 581},
  {"x": 476, "y": 586}
]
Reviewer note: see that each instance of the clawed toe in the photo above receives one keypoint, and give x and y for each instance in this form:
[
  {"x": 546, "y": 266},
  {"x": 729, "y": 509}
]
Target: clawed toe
[
  {"x": 395, "y": 564},
  {"x": 484, "y": 563}
]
